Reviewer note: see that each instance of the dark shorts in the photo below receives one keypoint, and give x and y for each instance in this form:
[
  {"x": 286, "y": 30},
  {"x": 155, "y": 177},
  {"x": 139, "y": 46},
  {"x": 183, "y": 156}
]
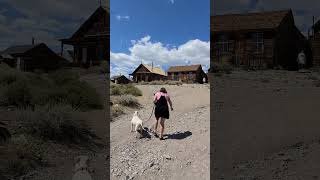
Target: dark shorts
[{"x": 161, "y": 112}]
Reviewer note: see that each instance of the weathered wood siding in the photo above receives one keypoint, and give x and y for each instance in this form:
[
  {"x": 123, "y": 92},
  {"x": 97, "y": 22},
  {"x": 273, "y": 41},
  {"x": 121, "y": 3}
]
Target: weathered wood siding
[{"x": 315, "y": 46}]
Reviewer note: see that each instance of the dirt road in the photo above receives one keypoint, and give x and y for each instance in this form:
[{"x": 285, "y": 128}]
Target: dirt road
[
  {"x": 267, "y": 125},
  {"x": 185, "y": 152}
]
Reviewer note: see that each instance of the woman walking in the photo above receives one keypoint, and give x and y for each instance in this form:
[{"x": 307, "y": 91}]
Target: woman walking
[{"x": 161, "y": 100}]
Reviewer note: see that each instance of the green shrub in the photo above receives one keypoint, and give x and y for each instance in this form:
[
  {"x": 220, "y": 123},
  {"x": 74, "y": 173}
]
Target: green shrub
[
  {"x": 117, "y": 90},
  {"x": 62, "y": 86},
  {"x": 82, "y": 95},
  {"x": 61, "y": 77},
  {"x": 17, "y": 94},
  {"x": 55, "y": 122},
  {"x": 116, "y": 110},
  {"x": 29, "y": 153},
  {"x": 127, "y": 100},
  {"x": 130, "y": 89},
  {"x": 8, "y": 75},
  {"x": 104, "y": 66}
]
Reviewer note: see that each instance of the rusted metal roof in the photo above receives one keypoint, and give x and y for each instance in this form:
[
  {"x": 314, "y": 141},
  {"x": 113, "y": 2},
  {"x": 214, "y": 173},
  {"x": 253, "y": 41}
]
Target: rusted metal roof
[
  {"x": 184, "y": 68},
  {"x": 154, "y": 70}
]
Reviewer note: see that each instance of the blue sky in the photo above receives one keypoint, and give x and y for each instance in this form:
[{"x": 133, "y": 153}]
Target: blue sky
[{"x": 167, "y": 32}]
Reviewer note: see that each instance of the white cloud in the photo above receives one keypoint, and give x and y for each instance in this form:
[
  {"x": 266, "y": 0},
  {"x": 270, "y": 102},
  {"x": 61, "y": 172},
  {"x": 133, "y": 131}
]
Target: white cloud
[
  {"x": 192, "y": 52},
  {"x": 119, "y": 18}
]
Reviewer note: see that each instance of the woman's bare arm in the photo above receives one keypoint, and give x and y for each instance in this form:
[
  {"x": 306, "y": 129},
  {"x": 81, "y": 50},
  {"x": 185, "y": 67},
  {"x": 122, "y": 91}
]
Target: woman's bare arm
[{"x": 170, "y": 102}]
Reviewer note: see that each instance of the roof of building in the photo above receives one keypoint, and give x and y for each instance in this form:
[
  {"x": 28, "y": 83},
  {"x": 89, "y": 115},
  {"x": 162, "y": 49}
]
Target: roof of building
[
  {"x": 21, "y": 49},
  {"x": 248, "y": 21},
  {"x": 99, "y": 12},
  {"x": 155, "y": 70},
  {"x": 184, "y": 68},
  {"x": 118, "y": 76}
]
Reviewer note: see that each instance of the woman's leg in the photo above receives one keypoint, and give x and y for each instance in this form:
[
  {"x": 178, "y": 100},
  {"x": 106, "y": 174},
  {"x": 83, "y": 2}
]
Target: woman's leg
[
  {"x": 156, "y": 125},
  {"x": 162, "y": 127}
]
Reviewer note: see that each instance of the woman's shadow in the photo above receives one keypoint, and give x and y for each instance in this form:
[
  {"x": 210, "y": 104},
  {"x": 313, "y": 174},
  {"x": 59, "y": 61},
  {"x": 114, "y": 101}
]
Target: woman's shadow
[{"x": 178, "y": 135}]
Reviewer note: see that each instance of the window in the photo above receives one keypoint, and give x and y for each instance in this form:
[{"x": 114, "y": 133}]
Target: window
[
  {"x": 223, "y": 43},
  {"x": 258, "y": 41}
]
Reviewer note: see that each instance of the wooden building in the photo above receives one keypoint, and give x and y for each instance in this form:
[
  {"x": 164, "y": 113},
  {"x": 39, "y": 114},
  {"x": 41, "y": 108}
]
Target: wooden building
[
  {"x": 32, "y": 57},
  {"x": 256, "y": 40},
  {"x": 148, "y": 73},
  {"x": 192, "y": 73},
  {"x": 120, "y": 79},
  {"x": 91, "y": 41},
  {"x": 315, "y": 44}
]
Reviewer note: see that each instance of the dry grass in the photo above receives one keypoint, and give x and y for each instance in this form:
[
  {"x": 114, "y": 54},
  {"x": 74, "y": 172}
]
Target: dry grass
[
  {"x": 57, "y": 123},
  {"x": 23, "y": 89},
  {"x": 117, "y": 110},
  {"x": 127, "y": 101},
  {"x": 129, "y": 89}
]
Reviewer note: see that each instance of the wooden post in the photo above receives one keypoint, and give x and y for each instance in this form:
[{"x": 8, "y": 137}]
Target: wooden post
[{"x": 61, "y": 49}]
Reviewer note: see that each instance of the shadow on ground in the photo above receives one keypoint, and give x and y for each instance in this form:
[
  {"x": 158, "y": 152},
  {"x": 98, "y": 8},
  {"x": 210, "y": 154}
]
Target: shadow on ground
[{"x": 178, "y": 135}]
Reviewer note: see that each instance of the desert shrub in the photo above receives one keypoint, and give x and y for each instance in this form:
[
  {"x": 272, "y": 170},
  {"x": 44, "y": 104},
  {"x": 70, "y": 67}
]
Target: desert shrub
[
  {"x": 104, "y": 66},
  {"x": 8, "y": 75},
  {"x": 81, "y": 95},
  {"x": 54, "y": 122},
  {"x": 117, "y": 90},
  {"x": 61, "y": 77},
  {"x": 16, "y": 93},
  {"x": 116, "y": 110},
  {"x": 30, "y": 89},
  {"x": 130, "y": 89},
  {"x": 178, "y": 83},
  {"x": 127, "y": 100},
  {"x": 29, "y": 153}
]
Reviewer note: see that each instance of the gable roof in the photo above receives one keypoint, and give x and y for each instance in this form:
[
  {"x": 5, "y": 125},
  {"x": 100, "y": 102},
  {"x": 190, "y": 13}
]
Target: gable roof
[
  {"x": 101, "y": 11},
  {"x": 21, "y": 49},
  {"x": 155, "y": 70},
  {"x": 119, "y": 76},
  {"x": 248, "y": 21},
  {"x": 184, "y": 68}
]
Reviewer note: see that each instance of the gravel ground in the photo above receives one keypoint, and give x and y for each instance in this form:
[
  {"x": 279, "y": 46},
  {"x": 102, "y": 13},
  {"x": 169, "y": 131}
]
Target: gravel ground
[
  {"x": 267, "y": 125},
  {"x": 184, "y": 154}
]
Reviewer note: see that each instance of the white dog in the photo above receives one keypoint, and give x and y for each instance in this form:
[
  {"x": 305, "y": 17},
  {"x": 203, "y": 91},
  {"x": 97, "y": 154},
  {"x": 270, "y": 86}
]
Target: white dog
[
  {"x": 137, "y": 122},
  {"x": 81, "y": 169}
]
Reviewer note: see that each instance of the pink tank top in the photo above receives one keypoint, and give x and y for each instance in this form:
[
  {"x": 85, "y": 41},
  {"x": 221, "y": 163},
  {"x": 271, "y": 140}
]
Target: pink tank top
[{"x": 159, "y": 94}]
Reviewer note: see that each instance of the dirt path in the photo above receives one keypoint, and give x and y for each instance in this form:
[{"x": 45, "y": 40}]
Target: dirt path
[
  {"x": 267, "y": 125},
  {"x": 184, "y": 155}
]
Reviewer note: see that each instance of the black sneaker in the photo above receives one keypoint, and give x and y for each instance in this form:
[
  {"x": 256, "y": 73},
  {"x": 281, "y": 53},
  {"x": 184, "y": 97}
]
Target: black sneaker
[
  {"x": 155, "y": 135},
  {"x": 161, "y": 138}
]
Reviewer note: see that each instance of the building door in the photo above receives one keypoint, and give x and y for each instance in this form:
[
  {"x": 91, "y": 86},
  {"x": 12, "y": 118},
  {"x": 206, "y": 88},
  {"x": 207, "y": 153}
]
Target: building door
[{"x": 239, "y": 52}]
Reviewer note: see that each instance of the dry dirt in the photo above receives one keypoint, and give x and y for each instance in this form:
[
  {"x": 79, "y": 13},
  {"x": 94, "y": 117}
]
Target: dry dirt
[
  {"x": 184, "y": 154},
  {"x": 266, "y": 125}
]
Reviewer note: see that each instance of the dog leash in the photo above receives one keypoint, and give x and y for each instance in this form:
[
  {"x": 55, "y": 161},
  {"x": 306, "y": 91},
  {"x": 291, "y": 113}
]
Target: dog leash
[{"x": 151, "y": 113}]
